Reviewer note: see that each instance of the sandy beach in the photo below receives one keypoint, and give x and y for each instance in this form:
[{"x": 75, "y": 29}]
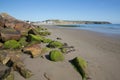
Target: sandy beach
[{"x": 101, "y": 51}]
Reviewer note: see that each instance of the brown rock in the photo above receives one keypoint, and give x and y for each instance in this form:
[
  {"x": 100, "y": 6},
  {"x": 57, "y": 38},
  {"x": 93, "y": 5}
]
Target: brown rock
[
  {"x": 9, "y": 24},
  {"x": 8, "y": 21},
  {"x": 34, "y": 50},
  {"x": 9, "y": 34},
  {"x": 19, "y": 26}
]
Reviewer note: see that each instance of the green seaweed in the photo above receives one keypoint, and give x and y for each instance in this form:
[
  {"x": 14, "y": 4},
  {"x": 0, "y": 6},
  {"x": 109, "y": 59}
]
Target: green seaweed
[
  {"x": 12, "y": 44},
  {"x": 32, "y": 37}
]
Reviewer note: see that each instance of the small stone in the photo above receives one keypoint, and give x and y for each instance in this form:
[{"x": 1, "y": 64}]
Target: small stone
[{"x": 59, "y": 38}]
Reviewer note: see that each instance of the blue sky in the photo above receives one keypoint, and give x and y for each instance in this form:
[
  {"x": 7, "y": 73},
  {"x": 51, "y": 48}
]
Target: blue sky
[{"x": 38, "y": 10}]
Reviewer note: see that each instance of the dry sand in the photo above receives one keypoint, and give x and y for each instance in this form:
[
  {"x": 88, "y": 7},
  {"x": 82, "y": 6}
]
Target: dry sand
[{"x": 101, "y": 51}]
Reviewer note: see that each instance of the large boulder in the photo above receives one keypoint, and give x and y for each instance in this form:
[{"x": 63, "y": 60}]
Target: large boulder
[
  {"x": 9, "y": 34},
  {"x": 35, "y": 50}
]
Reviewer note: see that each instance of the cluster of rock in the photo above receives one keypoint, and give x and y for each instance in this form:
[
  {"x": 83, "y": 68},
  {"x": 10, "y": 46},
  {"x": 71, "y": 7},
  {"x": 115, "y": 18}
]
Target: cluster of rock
[
  {"x": 18, "y": 37},
  {"x": 12, "y": 39}
]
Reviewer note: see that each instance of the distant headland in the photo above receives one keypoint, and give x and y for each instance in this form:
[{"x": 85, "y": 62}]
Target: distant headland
[{"x": 63, "y": 22}]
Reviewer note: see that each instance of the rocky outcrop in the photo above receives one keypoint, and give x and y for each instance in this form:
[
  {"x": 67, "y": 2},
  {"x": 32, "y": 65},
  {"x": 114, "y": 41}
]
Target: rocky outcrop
[
  {"x": 12, "y": 28},
  {"x": 8, "y": 21}
]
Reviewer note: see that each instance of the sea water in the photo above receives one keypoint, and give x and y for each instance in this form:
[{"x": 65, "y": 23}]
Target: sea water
[{"x": 103, "y": 28}]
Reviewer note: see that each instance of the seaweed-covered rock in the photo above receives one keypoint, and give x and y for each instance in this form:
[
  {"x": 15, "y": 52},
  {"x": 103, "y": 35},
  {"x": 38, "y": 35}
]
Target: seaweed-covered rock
[
  {"x": 34, "y": 38},
  {"x": 12, "y": 44},
  {"x": 9, "y": 34},
  {"x": 81, "y": 66},
  {"x": 34, "y": 50},
  {"x": 55, "y": 44},
  {"x": 56, "y": 55}
]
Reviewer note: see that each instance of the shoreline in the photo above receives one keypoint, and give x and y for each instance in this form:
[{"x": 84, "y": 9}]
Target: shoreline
[{"x": 102, "y": 52}]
